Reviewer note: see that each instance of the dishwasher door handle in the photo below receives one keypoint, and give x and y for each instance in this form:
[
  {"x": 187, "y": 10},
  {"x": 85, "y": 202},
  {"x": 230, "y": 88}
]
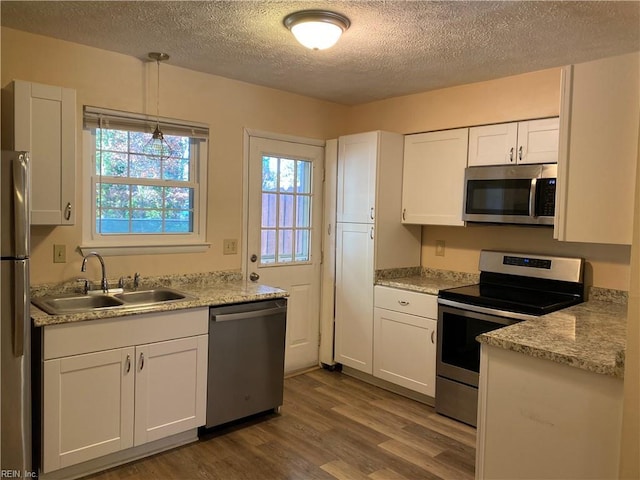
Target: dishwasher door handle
[{"x": 226, "y": 317}]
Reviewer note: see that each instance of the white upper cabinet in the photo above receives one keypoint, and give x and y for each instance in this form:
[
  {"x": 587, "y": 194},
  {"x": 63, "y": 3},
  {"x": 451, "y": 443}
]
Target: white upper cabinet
[
  {"x": 357, "y": 178},
  {"x": 531, "y": 141},
  {"x": 600, "y": 110},
  {"x": 538, "y": 141},
  {"x": 433, "y": 177},
  {"x": 493, "y": 144},
  {"x": 45, "y": 126}
]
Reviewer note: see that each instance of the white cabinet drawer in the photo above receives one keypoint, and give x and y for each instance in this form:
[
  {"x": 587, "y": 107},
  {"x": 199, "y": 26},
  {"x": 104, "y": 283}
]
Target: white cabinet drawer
[{"x": 414, "y": 303}]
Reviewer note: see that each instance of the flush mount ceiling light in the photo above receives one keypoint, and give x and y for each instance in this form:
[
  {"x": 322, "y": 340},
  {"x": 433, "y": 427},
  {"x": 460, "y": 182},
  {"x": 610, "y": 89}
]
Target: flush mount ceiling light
[
  {"x": 316, "y": 29},
  {"x": 157, "y": 145}
]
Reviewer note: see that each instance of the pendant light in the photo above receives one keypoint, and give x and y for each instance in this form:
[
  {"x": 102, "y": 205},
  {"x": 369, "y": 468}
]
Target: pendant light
[
  {"x": 157, "y": 145},
  {"x": 316, "y": 29}
]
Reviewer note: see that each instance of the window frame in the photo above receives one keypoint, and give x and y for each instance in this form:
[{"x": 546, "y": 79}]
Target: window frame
[
  {"x": 136, "y": 244},
  {"x": 294, "y": 228}
]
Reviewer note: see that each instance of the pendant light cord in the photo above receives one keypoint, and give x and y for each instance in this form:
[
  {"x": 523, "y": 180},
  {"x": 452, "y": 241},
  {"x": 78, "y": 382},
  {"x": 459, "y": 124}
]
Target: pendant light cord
[{"x": 158, "y": 97}]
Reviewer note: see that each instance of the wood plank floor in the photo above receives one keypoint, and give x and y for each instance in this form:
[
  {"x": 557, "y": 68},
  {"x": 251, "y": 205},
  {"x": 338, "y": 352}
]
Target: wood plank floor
[{"x": 331, "y": 427}]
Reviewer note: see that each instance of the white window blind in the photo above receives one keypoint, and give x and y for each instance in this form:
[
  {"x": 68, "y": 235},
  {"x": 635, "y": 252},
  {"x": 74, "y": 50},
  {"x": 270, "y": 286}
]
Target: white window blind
[{"x": 96, "y": 117}]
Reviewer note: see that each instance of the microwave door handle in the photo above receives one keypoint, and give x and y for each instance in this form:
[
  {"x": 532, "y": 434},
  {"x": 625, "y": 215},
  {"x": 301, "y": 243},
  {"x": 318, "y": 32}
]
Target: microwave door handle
[{"x": 532, "y": 198}]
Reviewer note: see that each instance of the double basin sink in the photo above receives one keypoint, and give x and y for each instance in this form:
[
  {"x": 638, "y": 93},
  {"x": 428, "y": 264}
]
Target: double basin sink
[{"x": 58, "y": 305}]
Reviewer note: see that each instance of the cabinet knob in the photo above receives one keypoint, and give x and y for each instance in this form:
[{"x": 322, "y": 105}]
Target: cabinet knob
[
  {"x": 404, "y": 214},
  {"x": 141, "y": 361},
  {"x": 67, "y": 211},
  {"x": 371, "y": 234},
  {"x": 432, "y": 335},
  {"x": 520, "y": 153},
  {"x": 404, "y": 303},
  {"x": 371, "y": 213},
  {"x": 128, "y": 364},
  {"x": 511, "y": 155}
]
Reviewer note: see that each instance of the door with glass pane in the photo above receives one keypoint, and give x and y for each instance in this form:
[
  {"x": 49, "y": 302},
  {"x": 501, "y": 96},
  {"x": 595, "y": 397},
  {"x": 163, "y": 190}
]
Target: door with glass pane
[{"x": 283, "y": 236}]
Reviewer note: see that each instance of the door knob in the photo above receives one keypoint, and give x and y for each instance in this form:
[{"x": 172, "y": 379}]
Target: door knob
[
  {"x": 254, "y": 258},
  {"x": 254, "y": 277}
]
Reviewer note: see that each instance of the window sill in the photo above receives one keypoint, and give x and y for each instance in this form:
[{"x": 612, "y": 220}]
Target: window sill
[{"x": 116, "y": 250}]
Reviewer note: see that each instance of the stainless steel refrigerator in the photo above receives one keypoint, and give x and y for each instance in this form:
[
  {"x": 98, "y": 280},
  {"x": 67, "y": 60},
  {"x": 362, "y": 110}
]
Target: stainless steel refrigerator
[{"x": 15, "y": 321}]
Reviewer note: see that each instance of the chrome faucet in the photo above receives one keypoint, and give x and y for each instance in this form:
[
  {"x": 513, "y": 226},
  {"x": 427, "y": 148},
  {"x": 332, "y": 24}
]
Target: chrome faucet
[{"x": 103, "y": 283}]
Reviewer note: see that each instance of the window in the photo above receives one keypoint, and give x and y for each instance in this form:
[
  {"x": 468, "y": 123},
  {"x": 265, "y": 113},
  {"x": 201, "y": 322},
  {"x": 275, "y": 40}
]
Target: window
[
  {"x": 286, "y": 211},
  {"x": 141, "y": 197}
]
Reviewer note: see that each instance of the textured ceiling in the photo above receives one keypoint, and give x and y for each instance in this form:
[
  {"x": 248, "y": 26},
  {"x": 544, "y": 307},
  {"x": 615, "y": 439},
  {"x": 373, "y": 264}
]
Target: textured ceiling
[{"x": 392, "y": 48}]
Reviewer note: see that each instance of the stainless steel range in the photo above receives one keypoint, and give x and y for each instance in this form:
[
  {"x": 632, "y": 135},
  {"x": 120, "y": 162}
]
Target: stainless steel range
[{"x": 513, "y": 287}]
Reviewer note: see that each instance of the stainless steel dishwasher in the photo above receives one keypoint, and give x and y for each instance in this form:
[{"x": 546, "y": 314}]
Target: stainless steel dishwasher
[{"x": 246, "y": 360}]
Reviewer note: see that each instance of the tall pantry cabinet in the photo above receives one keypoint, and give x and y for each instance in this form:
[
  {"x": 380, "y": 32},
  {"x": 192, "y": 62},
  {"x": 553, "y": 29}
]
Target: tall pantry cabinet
[{"x": 369, "y": 237}]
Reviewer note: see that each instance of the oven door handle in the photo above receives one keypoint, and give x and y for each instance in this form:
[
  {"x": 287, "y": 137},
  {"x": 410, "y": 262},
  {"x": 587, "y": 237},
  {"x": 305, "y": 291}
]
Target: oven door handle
[{"x": 486, "y": 310}]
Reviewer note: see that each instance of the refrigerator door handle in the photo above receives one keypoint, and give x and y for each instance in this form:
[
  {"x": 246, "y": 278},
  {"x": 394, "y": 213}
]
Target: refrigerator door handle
[
  {"x": 21, "y": 204},
  {"x": 22, "y": 313}
]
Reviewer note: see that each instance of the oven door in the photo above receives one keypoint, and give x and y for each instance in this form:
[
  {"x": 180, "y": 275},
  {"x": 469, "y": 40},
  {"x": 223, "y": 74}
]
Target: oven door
[{"x": 458, "y": 351}]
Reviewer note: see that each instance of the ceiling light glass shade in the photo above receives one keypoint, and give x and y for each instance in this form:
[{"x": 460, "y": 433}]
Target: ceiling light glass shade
[{"x": 316, "y": 29}]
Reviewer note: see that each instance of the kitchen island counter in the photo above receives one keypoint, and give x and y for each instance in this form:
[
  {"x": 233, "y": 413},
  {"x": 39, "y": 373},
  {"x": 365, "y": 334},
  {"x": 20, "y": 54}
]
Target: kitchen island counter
[{"x": 590, "y": 336}]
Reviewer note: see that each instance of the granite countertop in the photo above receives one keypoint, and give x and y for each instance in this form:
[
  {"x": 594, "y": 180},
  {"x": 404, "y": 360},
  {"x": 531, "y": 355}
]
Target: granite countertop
[
  {"x": 590, "y": 336},
  {"x": 205, "y": 293},
  {"x": 430, "y": 281}
]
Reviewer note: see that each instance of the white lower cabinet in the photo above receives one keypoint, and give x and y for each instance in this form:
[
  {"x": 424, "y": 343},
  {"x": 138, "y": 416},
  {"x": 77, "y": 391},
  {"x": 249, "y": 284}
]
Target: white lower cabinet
[
  {"x": 88, "y": 407},
  {"x": 106, "y": 401},
  {"x": 171, "y": 383},
  {"x": 404, "y": 332},
  {"x": 354, "y": 296}
]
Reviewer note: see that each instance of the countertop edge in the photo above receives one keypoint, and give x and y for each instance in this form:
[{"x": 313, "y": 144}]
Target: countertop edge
[{"x": 559, "y": 358}]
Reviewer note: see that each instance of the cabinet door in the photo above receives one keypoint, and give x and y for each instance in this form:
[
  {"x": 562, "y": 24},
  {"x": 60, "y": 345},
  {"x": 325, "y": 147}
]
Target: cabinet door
[
  {"x": 493, "y": 144},
  {"x": 357, "y": 157},
  {"x": 405, "y": 350},
  {"x": 354, "y": 296},
  {"x": 171, "y": 387},
  {"x": 538, "y": 141},
  {"x": 433, "y": 177},
  {"x": 88, "y": 407},
  {"x": 45, "y": 126},
  {"x": 598, "y": 151}
]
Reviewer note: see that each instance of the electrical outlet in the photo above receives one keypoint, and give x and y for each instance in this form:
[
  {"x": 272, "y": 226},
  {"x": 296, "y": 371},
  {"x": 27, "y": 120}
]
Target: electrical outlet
[
  {"x": 59, "y": 254},
  {"x": 439, "y": 248},
  {"x": 229, "y": 246}
]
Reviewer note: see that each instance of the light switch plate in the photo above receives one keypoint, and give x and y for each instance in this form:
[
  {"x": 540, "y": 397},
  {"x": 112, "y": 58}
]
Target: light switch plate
[
  {"x": 439, "y": 248},
  {"x": 229, "y": 246},
  {"x": 59, "y": 254}
]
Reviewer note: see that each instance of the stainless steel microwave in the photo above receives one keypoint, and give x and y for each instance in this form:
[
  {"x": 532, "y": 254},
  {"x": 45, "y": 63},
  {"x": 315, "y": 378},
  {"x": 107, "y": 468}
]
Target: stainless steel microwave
[{"x": 521, "y": 194}]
